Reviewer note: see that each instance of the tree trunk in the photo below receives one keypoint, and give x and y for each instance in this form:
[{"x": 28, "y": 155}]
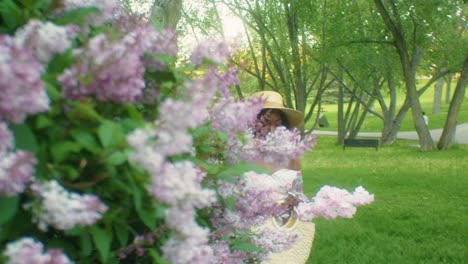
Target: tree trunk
[
  {"x": 448, "y": 89},
  {"x": 341, "y": 121},
  {"x": 451, "y": 122},
  {"x": 167, "y": 12},
  {"x": 437, "y": 96},
  {"x": 409, "y": 65},
  {"x": 388, "y": 137},
  {"x": 291, "y": 21}
]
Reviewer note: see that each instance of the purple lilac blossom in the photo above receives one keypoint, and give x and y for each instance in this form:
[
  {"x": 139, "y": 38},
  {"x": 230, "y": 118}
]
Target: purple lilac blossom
[
  {"x": 212, "y": 52},
  {"x": 257, "y": 198},
  {"x": 16, "y": 171},
  {"x": 188, "y": 251},
  {"x": 179, "y": 182},
  {"x": 22, "y": 88},
  {"x": 6, "y": 138},
  {"x": 282, "y": 145},
  {"x": 26, "y": 250},
  {"x": 331, "y": 202},
  {"x": 223, "y": 253},
  {"x": 231, "y": 116},
  {"x": 44, "y": 39},
  {"x": 63, "y": 209},
  {"x": 112, "y": 71},
  {"x": 275, "y": 240}
]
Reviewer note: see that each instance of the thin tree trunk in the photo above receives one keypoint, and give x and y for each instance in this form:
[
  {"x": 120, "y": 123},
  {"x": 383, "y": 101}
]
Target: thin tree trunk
[
  {"x": 437, "y": 96},
  {"x": 448, "y": 89},
  {"x": 451, "y": 122}
]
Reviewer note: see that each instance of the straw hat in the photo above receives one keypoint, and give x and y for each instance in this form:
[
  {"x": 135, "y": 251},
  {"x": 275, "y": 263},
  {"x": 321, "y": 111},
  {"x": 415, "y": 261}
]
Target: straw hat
[{"x": 275, "y": 101}]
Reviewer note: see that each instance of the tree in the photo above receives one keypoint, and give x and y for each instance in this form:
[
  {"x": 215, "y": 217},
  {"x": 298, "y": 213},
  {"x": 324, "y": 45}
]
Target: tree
[{"x": 451, "y": 122}]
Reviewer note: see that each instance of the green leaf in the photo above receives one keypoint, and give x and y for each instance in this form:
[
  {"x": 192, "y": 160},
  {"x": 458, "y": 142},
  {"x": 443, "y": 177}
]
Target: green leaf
[
  {"x": 102, "y": 240},
  {"x": 246, "y": 247},
  {"x": 148, "y": 216},
  {"x": 157, "y": 258},
  {"x": 76, "y": 16},
  {"x": 86, "y": 244},
  {"x": 24, "y": 137},
  {"x": 117, "y": 158},
  {"x": 61, "y": 150},
  {"x": 230, "y": 202},
  {"x": 11, "y": 14},
  {"x": 106, "y": 133},
  {"x": 86, "y": 139},
  {"x": 60, "y": 62},
  {"x": 239, "y": 170},
  {"x": 122, "y": 233},
  {"x": 43, "y": 122},
  {"x": 8, "y": 208},
  {"x": 83, "y": 110}
]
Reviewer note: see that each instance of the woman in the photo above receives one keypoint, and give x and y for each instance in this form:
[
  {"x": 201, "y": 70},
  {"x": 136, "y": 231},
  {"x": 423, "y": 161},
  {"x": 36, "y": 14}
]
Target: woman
[{"x": 273, "y": 115}]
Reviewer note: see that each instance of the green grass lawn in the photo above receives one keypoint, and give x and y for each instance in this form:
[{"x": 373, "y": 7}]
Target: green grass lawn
[{"x": 420, "y": 213}]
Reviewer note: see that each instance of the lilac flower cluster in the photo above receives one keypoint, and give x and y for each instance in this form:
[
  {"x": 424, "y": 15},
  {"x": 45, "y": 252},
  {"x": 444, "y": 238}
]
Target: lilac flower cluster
[
  {"x": 22, "y": 89},
  {"x": 225, "y": 255},
  {"x": 22, "y": 61},
  {"x": 179, "y": 184},
  {"x": 26, "y": 250},
  {"x": 62, "y": 209},
  {"x": 257, "y": 198},
  {"x": 113, "y": 70},
  {"x": 231, "y": 116},
  {"x": 16, "y": 167},
  {"x": 331, "y": 202},
  {"x": 282, "y": 145},
  {"x": 44, "y": 39},
  {"x": 213, "y": 52},
  {"x": 137, "y": 245},
  {"x": 277, "y": 147}
]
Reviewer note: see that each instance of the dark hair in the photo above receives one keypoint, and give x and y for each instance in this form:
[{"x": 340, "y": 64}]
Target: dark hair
[{"x": 284, "y": 118}]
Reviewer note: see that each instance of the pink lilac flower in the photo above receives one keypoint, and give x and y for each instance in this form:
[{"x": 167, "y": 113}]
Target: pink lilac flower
[
  {"x": 188, "y": 251},
  {"x": 112, "y": 71},
  {"x": 137, "y": 246},
  {"x": 281, "y": 145},
  {"x": 331, "y": 202},
  {"x": 231, "y": 116},
  {"x": 275, "y": 240},
  {"x": 23, "y": 91},
  {"x": 6, "y": 138},
  {"x": 63, "y": 209},
  {"x": 223, "y": 253},
  {"x": 257, "y": 198},
  {"x": 26, "y": 250},
  {"x": 16, "y": 171},
  {"x": 362, "y": 197},
  {"x": 44, "y": 39},
  {"x": 179, "y": 182},
  {"x": 211, "y": 52}
]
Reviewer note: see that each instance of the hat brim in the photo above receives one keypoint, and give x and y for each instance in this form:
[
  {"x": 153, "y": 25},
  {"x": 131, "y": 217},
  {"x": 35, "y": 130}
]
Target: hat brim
[{"x": 295, "y": 118}]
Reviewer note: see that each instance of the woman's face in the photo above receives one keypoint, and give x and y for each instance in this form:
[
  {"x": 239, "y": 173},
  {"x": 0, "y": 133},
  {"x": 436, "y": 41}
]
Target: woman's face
[{"x": 272, "y": 117}]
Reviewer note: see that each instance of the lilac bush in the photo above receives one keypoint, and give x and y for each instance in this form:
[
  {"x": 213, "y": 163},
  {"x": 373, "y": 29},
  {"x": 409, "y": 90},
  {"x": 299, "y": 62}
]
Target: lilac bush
[{"x": 111, "y": 150}]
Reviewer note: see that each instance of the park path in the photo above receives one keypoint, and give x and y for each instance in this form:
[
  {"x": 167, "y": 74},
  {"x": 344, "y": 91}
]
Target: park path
[{"x": 461, "y": 134}]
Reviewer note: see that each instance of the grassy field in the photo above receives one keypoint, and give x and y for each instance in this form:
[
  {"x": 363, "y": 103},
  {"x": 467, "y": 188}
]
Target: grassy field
[{"x": 420, "y": 213}]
